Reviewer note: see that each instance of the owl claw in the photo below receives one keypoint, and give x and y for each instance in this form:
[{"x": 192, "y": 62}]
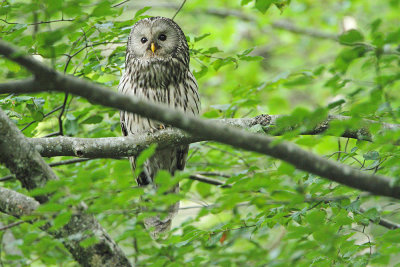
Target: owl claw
[{"x": 158, "y": 127}]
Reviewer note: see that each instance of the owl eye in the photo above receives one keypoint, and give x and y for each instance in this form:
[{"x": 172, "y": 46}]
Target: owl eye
[
  {"x": 143, "y": 40},
  {"x": 162, "y": 37}
]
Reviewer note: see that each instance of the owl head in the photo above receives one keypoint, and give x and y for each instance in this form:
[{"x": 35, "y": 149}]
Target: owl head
[{"x": 157, "y": 38}]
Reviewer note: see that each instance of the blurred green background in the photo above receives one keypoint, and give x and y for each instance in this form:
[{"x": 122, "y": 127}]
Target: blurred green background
[{"x": 304, "y": 59}]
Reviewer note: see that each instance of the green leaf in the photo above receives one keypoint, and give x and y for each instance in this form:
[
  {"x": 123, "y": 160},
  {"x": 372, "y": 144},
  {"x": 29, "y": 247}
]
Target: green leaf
[
  {"x": 203, "y": 71},
  {"x": 263, "y": 5},
  {"x": 372, "y": 214},
  {"x": 392, "y": 236},
  {"x": 220, "y": 62},
  {"x": 36, "y": 109},
  {"x": 144, "y": 155},
  {"x": 93, "y": 120},
  {"x": 336, "y": 103},
  {"x": 393, "y": 37},
  {"x": 353, "y": 206},
  {"x": 71, "y": 125},
  {"x": 371, "y": 155},
  {"x": 102, "y": 9},
  {"x": 212, "y": 50},
  {"x": 51, "y": 207},
  {"x": 201, "y": 37},
  {"x": 375, "y": 25},
  {"x": 12, "y": 66},
  {"x": 351, "y": 37},
  {"x": 245, "y": 2},
  {"x": 61, "y": 219},
  {"x": 203, "y": 189},
  {"x": 251, "y": 58},
  {"x": 141, "y": 11},
  {"x": 89, "y": 241},
  {"x": 316, "y": 217}
]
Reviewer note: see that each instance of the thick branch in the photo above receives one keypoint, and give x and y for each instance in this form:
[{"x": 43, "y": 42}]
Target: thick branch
[
  {"x": 53, "y": 164},
  {"x": 115, "y": 147},
  {"x": 22, "y": 160},
  {"x": 49, "y": 79},
  {"x": 29, "y": 167},
  {"x": 16, "y": 204}
]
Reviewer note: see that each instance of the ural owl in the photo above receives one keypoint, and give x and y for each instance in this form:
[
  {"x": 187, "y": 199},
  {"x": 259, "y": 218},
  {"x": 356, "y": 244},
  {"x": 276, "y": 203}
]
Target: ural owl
[{"x": 157, "y": 70}]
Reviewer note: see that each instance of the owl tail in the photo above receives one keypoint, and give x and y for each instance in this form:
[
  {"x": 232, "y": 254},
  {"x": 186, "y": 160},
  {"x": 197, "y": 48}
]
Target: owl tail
[{"x": 160, "y": 224}]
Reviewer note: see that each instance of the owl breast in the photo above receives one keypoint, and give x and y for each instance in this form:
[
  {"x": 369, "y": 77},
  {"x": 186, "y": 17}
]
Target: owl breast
[{"x": 160, "y": 81}]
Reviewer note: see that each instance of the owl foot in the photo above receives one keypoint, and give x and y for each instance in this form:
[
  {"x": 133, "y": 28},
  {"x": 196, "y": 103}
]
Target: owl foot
[{"x": 158, "y": 128}]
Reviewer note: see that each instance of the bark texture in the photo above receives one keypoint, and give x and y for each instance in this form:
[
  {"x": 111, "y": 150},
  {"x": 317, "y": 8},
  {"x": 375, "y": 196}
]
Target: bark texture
[{"x": 33, "y": 172}]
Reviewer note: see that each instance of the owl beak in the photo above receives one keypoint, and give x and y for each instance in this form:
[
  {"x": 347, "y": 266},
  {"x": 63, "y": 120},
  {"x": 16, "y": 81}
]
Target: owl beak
[{"x": 153, "y": 47}]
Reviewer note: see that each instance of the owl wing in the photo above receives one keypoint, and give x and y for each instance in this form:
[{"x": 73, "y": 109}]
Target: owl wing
[
  {"x": 122, "y": 121},
  {"x": 181, "y": 96},
  {"x": 181, "y": 156},
  {"x": 189, "y": 101}
]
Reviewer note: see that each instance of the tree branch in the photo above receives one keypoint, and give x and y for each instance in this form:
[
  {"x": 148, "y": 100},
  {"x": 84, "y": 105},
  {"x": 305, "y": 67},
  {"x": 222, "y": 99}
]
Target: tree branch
[
  {"x": 49, "y": 79},
  {"x": 204, "y": 179},
  {"x": 40, "y": 22},
  {"x": 116, "y": 147},
  {"x": 11, "y": 225},
  {"x": 53, "y": 164},
  {"x": 33, "y": 172},
  {"x": 288, "y": 26},
  {"x": 16, "y": 204},
  {"x": 384, "y": 222},
  {"x": 22, "y": 160}
]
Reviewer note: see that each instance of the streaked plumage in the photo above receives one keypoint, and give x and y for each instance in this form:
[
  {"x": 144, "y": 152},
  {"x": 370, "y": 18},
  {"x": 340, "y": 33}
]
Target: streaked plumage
[{"x": 158, "y": 70}]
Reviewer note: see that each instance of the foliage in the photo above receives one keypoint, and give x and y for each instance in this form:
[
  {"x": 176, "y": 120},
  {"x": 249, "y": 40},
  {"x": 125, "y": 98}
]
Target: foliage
[{"x": 272, "y": 214}]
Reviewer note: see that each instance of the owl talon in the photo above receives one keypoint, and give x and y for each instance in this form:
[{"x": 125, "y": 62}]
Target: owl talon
[{"x": 158, "y": 127}]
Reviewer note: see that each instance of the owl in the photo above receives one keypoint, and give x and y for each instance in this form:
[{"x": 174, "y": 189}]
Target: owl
[{"x": 157, "y": 70}]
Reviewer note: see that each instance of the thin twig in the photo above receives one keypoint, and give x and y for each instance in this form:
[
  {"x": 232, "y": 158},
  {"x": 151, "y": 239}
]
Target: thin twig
[
  {"x": 7, "y": 178},
  {"x": 347, "y": 143},
  {"x": 60, "y": 120},
  {"x": 68, "y": 161},
  {"x": 52, "y": 134},
  {"x": 11, "y": 225},
  {"x": 179, "y": 9},
  {"x": 344, "y": 152},
  {"x": 215, "y": 174},
  {"x": 39, "y": 22},
  {"x": 54, "y": 164},
  {"x": 388, "y": 224},
  {"x": 201, "y": 178},
  {"x": 46, "y": 115},
  {"x": 232, "y": 229},
  {"x": 120, "y": 4}
]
